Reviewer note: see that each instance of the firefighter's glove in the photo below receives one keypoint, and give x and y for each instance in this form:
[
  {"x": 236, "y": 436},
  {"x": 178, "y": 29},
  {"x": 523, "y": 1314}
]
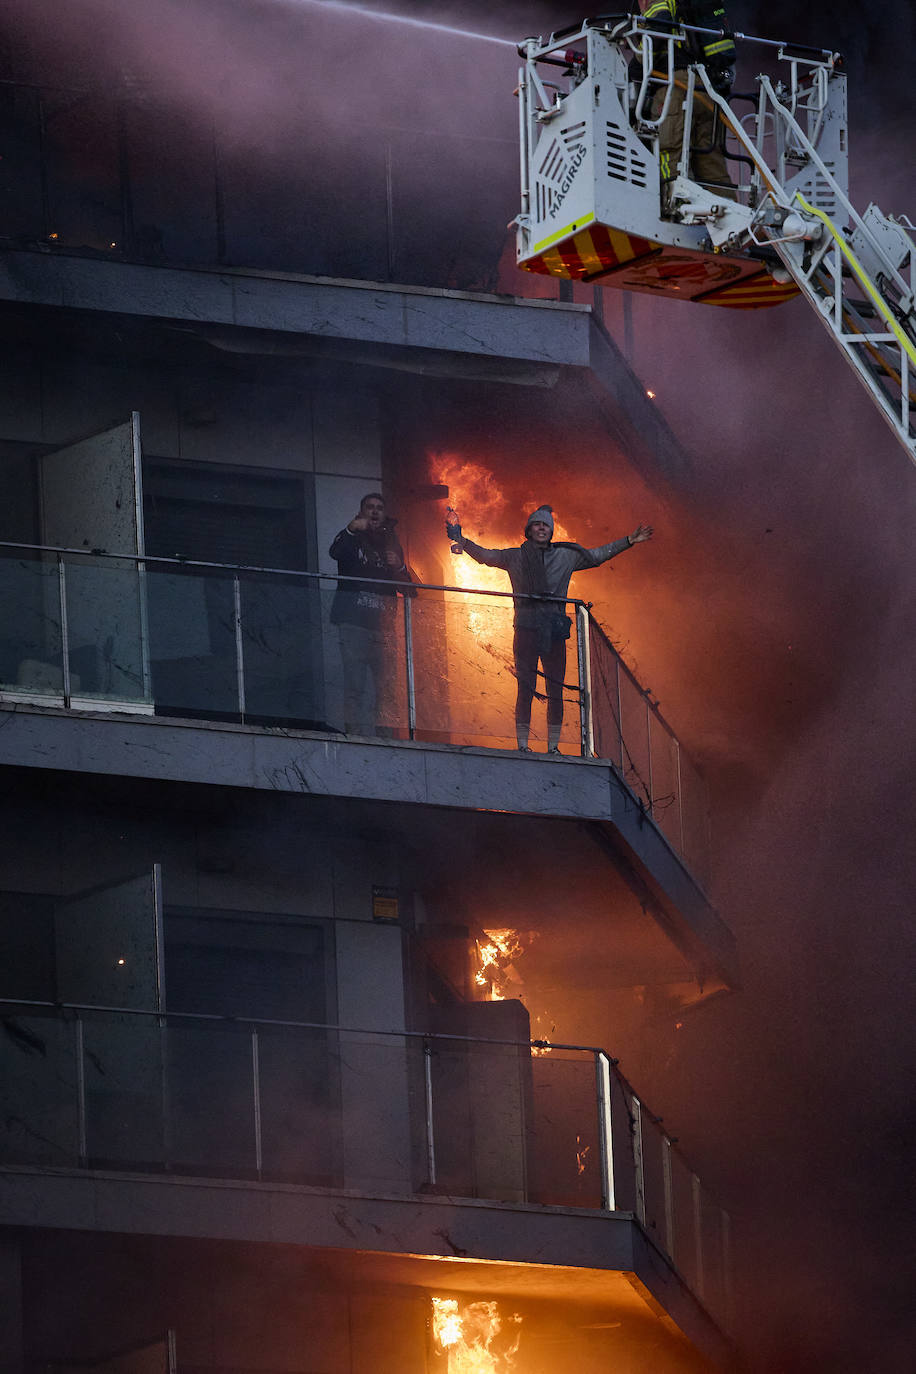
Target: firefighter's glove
[
  {"x": 453, "y": 530},
  {"x": 721, "y": 79}
]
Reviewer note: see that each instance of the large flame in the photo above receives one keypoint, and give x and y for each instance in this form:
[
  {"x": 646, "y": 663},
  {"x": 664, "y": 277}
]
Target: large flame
[
  {"x": 480, "y": 503},
  {"x": 485, "y": 517},
  {"x": 473, "y": 1338},
  {"x": 478, "y": 628},
  {"x": 496, "y": 955},
  {"x": 498, "y": 976}
]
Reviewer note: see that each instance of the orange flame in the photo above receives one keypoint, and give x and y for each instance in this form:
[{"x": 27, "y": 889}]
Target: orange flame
[
  {"x": 468, "y": 1336},
  {"x": 447, "y": 1328},
  {"x": 479, "y": 500},
  {"x": 473, "y": 491},
  {"x": 581, "y": 1155},
  {"x": 473, "y": 486},
  {"x": 496, "y": 955},
  {"x": 485, "y": 622}
]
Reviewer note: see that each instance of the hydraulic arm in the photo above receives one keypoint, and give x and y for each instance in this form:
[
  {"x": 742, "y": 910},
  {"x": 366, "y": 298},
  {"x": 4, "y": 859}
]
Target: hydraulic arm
[
  {"x": 857, "y": 271},
  {"x": 599, "y": 202}
]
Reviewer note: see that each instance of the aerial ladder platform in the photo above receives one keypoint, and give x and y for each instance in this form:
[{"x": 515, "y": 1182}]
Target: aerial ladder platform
[{"x": 592, "y": 101}]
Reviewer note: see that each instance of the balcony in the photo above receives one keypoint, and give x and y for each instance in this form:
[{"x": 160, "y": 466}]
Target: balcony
[
  {"x": 467, "y": 1120},
  {"x": 93, "y": 634}
]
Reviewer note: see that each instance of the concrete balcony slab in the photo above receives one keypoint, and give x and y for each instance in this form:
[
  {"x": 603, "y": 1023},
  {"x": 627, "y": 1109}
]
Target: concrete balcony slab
[
  {"x": 500, "y": 1248},
  {"x": 415, "y": 318},
  {"x": 390, "y": 771}
]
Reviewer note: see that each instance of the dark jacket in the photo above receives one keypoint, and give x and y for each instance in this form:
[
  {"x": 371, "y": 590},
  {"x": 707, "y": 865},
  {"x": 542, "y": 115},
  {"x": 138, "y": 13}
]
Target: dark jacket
[
  {"x": 357, "y": 555},
  {"x": 715, "y": 51}
]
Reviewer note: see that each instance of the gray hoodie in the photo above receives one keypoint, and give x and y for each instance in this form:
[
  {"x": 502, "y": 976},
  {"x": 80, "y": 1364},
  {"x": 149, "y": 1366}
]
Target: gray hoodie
[{"x": 559, "y": 565}]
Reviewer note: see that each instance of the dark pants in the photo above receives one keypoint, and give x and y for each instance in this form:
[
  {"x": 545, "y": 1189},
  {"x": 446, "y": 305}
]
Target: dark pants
[
  {"x": 366, "y": 655},
  {"x": 529, "y": 646},
  {"x": 709, "y": 167}
]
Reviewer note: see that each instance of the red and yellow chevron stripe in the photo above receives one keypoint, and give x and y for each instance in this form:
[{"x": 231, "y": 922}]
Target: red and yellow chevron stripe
[
  {"x": 638, "y": 264},
  {"x": 753, "y": 293},
  {"x": 589, "y": 253}
]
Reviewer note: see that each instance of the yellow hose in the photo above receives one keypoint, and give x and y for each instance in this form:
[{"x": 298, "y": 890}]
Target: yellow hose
[{"x": 864, "y": 279}]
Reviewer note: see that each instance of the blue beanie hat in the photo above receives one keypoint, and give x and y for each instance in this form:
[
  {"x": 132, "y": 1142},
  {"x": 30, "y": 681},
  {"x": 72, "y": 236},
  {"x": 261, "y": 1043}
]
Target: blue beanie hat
[{"x": 544, "y": 513}]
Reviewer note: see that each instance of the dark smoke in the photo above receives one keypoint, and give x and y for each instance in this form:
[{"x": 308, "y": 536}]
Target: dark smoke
[
  {"x": 805, "y": 486},
  {"x": 794, "y": 596},
  {"x": 773, "y": 615}
]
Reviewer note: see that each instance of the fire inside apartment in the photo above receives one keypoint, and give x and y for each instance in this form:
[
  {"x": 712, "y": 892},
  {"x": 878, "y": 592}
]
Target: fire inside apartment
[{"x": 321, "y": 1038}]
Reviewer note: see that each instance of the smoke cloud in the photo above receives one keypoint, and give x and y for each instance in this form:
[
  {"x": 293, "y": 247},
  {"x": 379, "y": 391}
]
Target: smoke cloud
[{"x": 773, "y": 613}]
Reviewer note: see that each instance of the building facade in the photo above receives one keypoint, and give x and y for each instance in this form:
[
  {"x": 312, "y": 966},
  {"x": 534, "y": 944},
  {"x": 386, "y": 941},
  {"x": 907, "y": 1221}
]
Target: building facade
[{"x": 310, "y": 1033}]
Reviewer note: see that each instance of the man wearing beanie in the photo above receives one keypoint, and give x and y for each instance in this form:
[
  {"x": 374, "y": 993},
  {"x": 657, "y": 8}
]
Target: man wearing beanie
[{"x": 541, "y": 568}]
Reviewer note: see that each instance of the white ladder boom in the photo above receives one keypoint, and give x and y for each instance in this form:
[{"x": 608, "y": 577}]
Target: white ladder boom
[{"x": 861, "y": 278}]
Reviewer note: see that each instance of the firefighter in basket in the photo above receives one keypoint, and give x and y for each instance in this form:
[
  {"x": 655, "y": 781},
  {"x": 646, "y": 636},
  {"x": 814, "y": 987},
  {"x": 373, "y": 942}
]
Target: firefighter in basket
[{"x": 716, "y": 52}]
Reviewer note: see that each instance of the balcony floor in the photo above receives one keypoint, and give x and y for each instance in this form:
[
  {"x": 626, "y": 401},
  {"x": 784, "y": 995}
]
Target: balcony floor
[
  {"x": 462, "y": 1244},
  {"x": 409, "y": 773}
]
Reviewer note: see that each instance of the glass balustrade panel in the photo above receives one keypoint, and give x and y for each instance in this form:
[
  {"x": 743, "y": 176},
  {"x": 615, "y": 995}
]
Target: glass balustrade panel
[
  {"x": 715, "y": 1293},
  {"x": 192, "y": 642},
  {"x": 106, "y": 631},
  {"x": 635, "y": 734},
  {"x": 281, "y": 646},
  {"x": 606, "y": 726},
  {"x": 39, "y": 1089},
  {"x": 466, "y": 675},
  {"x": 124, "y": 1091},
  {"x": 666, "y": 795},
  {"x": 31, "y": 653},
  {"x": 564, "y": 1147},
  {"x": 300, "y": 1074},
  {"x": 685, "y": 1229},
  {"x": 209, "y": 1098},
  {"x": 653, "y": 1164}
]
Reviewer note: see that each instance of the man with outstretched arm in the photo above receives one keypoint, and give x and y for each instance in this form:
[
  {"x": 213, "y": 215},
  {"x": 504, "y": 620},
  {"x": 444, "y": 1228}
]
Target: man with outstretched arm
[{"x": 541, "y": 567}]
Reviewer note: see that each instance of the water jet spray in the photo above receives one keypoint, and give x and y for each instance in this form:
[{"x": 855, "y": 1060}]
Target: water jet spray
[{"x": 365, "y": 13}]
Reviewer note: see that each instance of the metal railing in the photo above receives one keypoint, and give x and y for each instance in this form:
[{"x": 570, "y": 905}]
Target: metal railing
[
  {"x": 434, "y": 664},
  {"x": 415, "y": 1113},
  {"x": 628, "y": 728}
]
